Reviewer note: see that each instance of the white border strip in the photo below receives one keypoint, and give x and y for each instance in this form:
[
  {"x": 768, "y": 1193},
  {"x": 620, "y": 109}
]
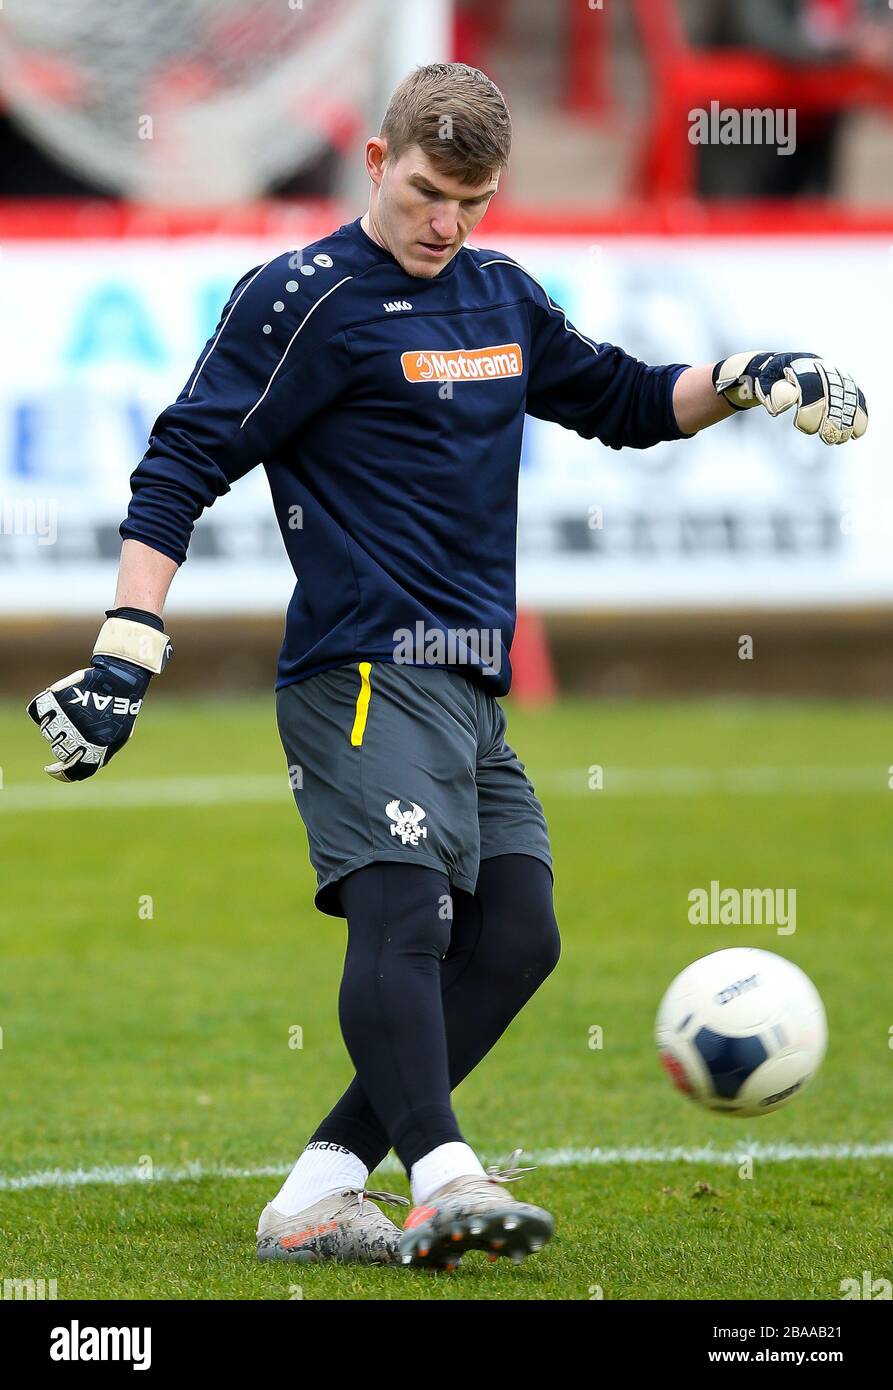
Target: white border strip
[{"x": 123, "y": 1175}]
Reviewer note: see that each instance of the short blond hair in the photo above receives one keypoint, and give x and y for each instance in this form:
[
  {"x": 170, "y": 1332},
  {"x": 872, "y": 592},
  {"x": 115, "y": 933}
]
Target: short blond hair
[{"x": 456, "y": 115}]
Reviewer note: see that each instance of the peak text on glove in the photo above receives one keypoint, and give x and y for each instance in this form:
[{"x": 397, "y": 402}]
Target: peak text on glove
[{"x": 119, "y": 703}]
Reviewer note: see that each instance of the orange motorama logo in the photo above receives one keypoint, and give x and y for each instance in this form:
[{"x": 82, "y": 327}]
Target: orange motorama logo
[{"x": 464, "y": 364}]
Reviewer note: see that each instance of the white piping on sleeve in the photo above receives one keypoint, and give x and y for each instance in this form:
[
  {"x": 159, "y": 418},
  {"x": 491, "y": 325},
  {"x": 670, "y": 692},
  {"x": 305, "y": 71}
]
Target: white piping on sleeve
[
  {"x": 558, "y": 310},
  {"x": 310, "y": 311},
  {"x": 225, "y": 322}
]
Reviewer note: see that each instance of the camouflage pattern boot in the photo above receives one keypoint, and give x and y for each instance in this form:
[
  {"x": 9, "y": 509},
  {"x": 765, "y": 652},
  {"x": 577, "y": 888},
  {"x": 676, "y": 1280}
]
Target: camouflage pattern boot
[{"x": 346, "y": 1227}]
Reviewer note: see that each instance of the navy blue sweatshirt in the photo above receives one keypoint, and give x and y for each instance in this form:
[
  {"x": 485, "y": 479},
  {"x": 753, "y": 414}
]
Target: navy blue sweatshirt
[{"x": 387, "y": 410}]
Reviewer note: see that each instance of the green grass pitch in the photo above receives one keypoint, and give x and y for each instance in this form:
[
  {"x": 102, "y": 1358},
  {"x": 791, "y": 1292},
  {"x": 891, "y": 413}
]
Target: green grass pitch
[{"x": 151, "y": 1043}]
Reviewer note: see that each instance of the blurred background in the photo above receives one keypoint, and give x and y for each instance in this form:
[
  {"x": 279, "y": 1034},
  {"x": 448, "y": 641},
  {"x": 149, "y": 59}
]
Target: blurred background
[{"x": 150, "y": 154}]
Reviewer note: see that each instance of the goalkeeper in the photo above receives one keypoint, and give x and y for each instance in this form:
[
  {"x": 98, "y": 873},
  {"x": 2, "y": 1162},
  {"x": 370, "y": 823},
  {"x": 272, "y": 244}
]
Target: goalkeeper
[{"x": 381, "y": 378}]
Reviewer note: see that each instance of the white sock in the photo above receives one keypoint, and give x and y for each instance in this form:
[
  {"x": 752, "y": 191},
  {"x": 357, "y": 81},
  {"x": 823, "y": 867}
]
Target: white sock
[
  {"x": 322, "y": 1169},
  {"x": 441, "y": 1165}
]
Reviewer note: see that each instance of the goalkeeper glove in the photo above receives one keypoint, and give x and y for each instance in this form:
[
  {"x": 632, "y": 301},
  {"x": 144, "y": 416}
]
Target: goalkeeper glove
[
  {"x": 828, "y": 401},
  {"x": 87, "y": 716}
]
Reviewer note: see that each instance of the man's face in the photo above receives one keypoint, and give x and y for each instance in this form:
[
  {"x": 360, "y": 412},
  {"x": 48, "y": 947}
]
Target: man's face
[{"x": 424, "y": 217}]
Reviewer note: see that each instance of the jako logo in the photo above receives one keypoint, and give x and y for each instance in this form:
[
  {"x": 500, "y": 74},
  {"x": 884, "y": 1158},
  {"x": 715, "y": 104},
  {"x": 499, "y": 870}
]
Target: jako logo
[
  {"x": 464, "y": 364},
  {"x": 76, "y": 1343},
  {"x": 394, "y": 306}
]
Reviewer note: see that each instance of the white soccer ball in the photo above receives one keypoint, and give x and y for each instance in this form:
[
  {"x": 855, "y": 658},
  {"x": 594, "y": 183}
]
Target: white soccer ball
[{"x": 741, "y": 1031}]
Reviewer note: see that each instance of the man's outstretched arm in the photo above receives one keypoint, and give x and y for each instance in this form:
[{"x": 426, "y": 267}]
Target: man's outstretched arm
[{"x": 604, "y": 393}]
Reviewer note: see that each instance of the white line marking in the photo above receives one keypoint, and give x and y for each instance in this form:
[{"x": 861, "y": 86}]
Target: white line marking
[
  {"x": 772, "y": 780},
  {"x": 762, "y": 1153},
  {"x": 122, "y": 1175},
  {"x": 102, "y": 794},
  {"x": 150, "y": 791}
]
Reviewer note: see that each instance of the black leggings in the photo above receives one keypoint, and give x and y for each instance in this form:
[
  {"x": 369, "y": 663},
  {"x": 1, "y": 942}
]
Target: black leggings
[{"x": 424, "y": 998}]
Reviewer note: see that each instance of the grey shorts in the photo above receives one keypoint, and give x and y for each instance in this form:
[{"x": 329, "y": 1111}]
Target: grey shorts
[{"x": 404, "y": 763}]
